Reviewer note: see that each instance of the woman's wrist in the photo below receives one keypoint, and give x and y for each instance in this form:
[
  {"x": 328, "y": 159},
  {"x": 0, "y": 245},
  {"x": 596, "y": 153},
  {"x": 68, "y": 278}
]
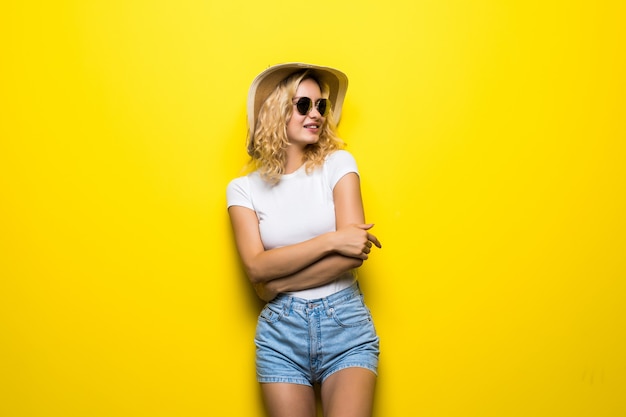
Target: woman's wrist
[{"x": 333, "y": 242}]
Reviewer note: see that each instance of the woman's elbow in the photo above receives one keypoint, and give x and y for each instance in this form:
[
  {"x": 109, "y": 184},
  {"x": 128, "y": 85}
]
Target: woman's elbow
[
  {"x": 255, "y": 275},
  {"x": 265, "y": 292}
]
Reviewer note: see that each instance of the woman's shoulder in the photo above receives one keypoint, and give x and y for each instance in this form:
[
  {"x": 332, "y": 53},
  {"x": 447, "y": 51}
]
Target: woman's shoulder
[
  {"x": 240, "y": 190},
  {"x": 242, "y": 182},
  {"x": 235, "y": 182},
  {"x": 237, "y": 185},
  {"x": 338, "y": 164},
  {"x": 340, "y": 155}
]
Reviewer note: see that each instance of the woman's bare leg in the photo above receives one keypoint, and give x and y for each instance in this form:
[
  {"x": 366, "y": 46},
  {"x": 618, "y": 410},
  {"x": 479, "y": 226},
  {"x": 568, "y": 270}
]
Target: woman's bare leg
[
  {"x": 349, "y": 393},
  {"x": 289, "y": 400}
]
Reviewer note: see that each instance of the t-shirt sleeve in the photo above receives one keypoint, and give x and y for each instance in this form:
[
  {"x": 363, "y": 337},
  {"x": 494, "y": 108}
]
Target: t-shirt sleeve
[
  {"x": 338, "y": 164},
  {"x": 238, "y": 193}
]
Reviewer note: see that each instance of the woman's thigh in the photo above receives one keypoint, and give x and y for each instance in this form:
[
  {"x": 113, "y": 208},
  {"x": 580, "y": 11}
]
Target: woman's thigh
[
  {"x": 289, "y": 400},
  {"x": 349, "y": 393}
]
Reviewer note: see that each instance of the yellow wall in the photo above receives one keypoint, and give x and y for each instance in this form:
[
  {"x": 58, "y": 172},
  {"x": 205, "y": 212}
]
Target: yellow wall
[{"x": 491, "y": 140}]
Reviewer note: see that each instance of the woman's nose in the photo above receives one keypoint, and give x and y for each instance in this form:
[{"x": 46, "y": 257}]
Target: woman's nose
[{"x": 314, "y": 113}]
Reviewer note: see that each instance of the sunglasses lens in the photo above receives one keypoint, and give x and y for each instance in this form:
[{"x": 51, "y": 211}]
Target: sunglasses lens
[
  {"x": 323, "y": 106},
  {"x": 303, "y": 105}
]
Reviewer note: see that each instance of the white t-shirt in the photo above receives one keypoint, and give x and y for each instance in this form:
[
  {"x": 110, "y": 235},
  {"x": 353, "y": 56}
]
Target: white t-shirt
[{"x": 296, "y": 209}]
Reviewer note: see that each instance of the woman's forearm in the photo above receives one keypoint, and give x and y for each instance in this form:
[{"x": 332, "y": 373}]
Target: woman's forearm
[
  {"x": 319, "y": 273},
  {"x": 284, "y": 261},
  {"x": 262, "y": 265}
]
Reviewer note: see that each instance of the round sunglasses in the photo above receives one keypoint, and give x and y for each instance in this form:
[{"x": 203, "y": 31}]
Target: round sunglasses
[{"x": 305, "y": 104}]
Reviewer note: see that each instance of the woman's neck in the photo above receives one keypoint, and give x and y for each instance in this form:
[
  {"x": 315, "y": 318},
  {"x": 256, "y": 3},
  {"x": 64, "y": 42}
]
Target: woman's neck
[{"x": 295, "y": 158}]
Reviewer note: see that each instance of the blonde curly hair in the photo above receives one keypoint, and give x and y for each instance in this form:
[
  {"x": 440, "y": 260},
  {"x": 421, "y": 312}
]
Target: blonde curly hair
[{"x": 268, "y": 142}]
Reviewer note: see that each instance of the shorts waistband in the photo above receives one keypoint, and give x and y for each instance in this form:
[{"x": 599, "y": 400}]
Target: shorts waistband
[{"x": 296, "y": 303}]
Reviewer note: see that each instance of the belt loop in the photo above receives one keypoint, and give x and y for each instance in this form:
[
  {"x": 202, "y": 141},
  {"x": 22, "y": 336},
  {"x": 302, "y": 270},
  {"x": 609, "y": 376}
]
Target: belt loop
[
  {"x": 287, "y": 306},
  {"x": 327, "y": 307}
]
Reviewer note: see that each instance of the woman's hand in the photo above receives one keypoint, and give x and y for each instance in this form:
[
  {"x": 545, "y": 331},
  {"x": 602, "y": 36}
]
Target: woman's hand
[{"x": 355, "y": 241}]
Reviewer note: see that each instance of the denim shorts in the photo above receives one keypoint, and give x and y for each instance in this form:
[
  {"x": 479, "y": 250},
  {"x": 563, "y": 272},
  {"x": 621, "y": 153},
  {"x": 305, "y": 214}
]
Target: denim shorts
[{"x": 303, "y": 342}]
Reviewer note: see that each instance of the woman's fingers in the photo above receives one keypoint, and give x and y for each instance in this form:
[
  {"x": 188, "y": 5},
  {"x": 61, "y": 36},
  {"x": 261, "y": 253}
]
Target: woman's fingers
[
  {"x": 374, "y": 240},
  {"x": 370, "y": 237},
  {"x": 357, "y": 242}
]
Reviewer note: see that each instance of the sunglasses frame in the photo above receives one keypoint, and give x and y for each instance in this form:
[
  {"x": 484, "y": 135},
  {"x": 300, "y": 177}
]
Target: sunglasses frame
[{"x": 299, "y": 101}]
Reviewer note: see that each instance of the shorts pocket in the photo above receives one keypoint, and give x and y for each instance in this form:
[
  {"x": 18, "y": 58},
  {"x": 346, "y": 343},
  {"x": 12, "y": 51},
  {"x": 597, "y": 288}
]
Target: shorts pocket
[
  {"x": 271, "y": 313},
  {"x": 352, "y": 313}
]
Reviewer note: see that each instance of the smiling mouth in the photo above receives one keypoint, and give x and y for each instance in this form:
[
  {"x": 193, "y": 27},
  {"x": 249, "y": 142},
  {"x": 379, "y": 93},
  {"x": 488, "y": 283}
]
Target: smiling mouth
[{"x": 312, "y": 126}]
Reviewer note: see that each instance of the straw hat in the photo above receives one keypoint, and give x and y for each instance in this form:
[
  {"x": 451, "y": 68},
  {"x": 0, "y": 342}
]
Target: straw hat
[{"x": 266, "y": 82}]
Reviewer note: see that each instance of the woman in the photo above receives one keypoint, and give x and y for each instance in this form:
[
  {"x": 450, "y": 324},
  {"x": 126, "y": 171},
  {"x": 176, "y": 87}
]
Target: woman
[{"x": 300, "y": 231}]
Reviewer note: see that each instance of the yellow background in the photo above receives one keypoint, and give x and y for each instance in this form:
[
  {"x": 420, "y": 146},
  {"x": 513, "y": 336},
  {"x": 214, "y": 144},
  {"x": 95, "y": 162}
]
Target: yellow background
[{"x": 490, "y": 136}]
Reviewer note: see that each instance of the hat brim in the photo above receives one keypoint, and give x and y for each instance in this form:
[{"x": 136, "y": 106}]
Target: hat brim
[{"x": 266, "y": 82}]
